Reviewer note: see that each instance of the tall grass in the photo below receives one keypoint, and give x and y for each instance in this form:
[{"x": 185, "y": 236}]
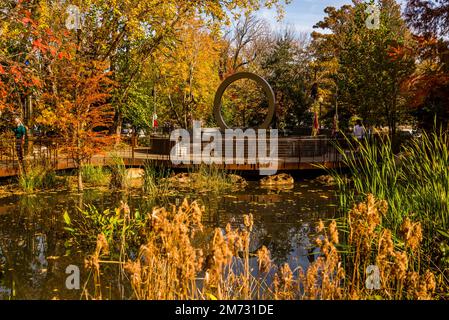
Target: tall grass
[
  {"x": 37, "y": 176},
  {"x": 211, "y": 178},
  {"x": 206, "y": 178},
  {"x": 118, "y": 173},
  {"x": 95, "y": 175},
  {"x": 171, "y": 266},
  {"x": 415, "y": 183},
  {"x": 154, "y": 180}
]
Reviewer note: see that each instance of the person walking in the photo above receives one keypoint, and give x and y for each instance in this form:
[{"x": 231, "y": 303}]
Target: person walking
[{"x": 20, "y": 134}]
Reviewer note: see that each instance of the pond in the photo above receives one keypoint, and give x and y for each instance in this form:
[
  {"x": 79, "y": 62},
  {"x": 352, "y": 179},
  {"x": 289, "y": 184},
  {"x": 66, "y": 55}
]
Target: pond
[{"x": 34, "y": 250}]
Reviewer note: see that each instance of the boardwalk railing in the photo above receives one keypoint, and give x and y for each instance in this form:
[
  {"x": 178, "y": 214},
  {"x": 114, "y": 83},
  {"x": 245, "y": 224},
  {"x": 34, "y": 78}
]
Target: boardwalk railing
[
  {"x": 37, "y": 150},
  {"x": 294, "y": 153},
  {"x": 295, "y": 150}
]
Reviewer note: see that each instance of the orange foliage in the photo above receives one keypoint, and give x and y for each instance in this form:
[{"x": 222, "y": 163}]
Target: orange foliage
[
  {"x": 420, "y": 85},
  {"x": 78, "y": 109}
]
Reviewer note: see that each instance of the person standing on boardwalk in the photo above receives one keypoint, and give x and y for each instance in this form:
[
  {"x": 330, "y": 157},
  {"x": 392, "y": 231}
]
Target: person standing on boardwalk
[{"x": 20, "y": 134}]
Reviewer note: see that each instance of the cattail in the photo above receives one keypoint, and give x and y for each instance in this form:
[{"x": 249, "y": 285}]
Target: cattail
[
  {"x": 412, "y": 233},
  {"x": 429, "y": 279},
  {"x": 263, "y": 256},
  {"x": 333, "y": 231},
  {"x": 134, "y": 269},
  {"x": 102, "y": 245},
  {"x": 320, "y": 227},
  {"x": 421, "y": 287},
  {"x": 126, "y": 211},
  {"x": 92, "y": 262},
  {"x": 285, "y": 282},
  {"x": 401, "y": 265},
  {"x": 248, "y": 220},
  {"x": 386, "y": 246},
  {"x": 319, "y": 242}
]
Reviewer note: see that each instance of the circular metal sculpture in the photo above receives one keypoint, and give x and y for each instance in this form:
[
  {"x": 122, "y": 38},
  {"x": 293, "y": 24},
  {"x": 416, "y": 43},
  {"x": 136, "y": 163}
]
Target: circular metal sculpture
[{"x": 251, "y": 76}]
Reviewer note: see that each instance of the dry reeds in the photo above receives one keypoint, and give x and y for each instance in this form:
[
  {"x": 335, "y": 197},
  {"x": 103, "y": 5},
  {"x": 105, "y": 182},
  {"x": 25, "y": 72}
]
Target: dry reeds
[{"x": 171, "y": 266}]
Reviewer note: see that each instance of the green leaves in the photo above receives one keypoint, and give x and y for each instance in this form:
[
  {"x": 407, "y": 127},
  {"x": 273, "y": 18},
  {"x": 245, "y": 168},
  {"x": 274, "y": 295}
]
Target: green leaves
[
  {"x": 369, "y": 78},
  {"x": 67, "y": 218},
  {"x": 85, "y": 227},
  {"x": 68, "y": 223}
]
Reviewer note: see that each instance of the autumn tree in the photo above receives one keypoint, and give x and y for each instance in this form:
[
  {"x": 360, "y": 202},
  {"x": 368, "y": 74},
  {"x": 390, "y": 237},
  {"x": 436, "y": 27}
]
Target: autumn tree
[
  {"x": 184, "y": 78},
  {"x": 130, "y": 36},
  {"x": 285, "y": 68},
  {"x": 79, "y": 110},
  {"x": 243, "y": 43},
  {"x": 20, "y": 76},
  {"x": 429, "y": 85},
  {"x": 43, "y": 60},
  {"x": 428, "y": 17},
  {"x": 75, "y": 104},
  {"x": 281, "y": 57},
  {"x": 126, "y": 35},
  {"x": 373, "y": 63}
]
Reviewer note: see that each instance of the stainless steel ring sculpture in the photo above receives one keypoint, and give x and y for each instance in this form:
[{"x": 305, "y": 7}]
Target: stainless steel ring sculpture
[{"x": 260, "y": 81}]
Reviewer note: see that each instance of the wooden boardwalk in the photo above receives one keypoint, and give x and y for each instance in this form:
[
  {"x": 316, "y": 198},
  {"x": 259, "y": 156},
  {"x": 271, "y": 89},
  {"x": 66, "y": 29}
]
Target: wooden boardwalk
[{"x": 293, "y": 155}]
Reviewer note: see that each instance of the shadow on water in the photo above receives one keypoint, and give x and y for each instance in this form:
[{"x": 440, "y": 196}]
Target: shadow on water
[{"x": 34, "y": 249}]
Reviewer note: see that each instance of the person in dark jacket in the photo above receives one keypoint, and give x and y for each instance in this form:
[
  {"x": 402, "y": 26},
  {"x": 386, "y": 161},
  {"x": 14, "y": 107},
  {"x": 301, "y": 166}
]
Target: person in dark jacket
[{"x": 20, "y": 134}]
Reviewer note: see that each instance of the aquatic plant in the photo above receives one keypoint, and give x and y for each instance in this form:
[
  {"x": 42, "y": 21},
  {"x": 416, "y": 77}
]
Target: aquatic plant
[
  {"x": 118, "y": 172},
  {"x": 95, "y": 175},
  {"x": 116, "y": 226},
  {"x": 154, "y": 180},
  {"x": 415, "y": 183},
  {"x": 170, "y": 265},
  {"x": 37, "y": 176},
  {"x": 207, "y": 179}
]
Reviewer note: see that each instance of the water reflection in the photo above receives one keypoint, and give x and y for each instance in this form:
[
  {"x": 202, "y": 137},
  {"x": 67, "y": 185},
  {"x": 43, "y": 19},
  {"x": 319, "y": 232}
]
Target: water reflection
[
  {"x": 33, "y": 244},
  {"x": 284, "y": 221}
]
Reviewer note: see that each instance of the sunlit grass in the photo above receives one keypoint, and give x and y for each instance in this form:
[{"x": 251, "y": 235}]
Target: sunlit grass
[
  {"x": 118, "y": 173},
  {"x": 415, "y": 183},
  {"x": 37, "y": 176},
  {"x": 95, "y": 175}
]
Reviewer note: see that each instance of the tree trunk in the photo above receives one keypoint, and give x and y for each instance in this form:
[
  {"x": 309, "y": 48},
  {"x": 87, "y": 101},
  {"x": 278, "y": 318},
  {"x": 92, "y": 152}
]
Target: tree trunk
[
  {"x": 80, "y": 180},
  {"x": 117, "y": 127}
]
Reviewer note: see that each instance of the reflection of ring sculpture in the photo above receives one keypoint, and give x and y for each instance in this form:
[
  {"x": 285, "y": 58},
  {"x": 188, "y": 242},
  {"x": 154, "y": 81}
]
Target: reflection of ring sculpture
[{"x": 238, "y": 76}]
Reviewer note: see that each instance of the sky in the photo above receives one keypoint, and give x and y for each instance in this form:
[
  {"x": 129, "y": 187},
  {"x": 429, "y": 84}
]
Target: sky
[{"x": 302, "y": 15}]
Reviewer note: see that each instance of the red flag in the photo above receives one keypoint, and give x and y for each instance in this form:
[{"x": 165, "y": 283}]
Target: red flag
[{"x": 155, "y": 122}]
